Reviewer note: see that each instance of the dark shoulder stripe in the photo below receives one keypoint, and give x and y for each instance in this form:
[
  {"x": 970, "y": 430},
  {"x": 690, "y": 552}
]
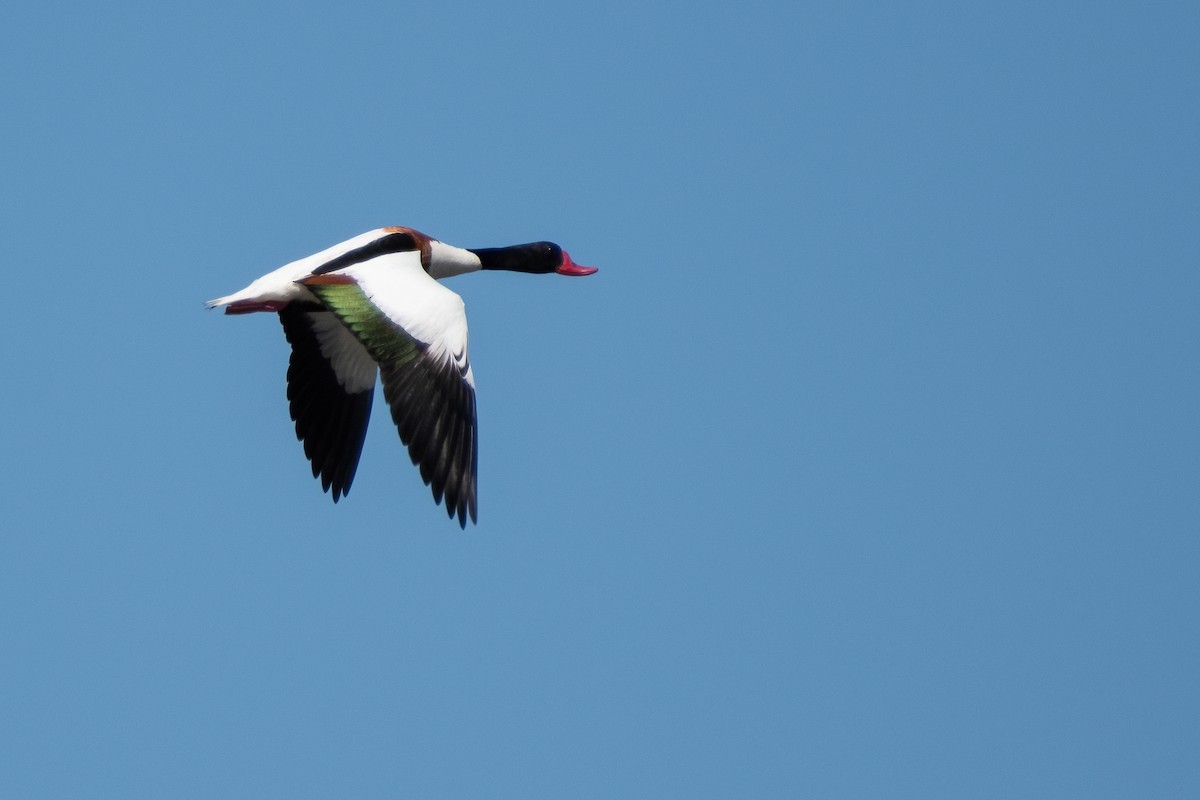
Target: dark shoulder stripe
[{"x": 397, "y": 242}]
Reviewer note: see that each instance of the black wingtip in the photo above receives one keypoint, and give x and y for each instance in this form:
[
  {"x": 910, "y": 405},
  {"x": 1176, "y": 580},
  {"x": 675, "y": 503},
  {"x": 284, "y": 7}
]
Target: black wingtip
[{"x": 330, "y": 422}]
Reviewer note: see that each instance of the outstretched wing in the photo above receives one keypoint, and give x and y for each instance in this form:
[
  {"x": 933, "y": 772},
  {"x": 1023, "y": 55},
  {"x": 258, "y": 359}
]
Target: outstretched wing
[
  {"x": 331, "y": 381},
  {"x": 416, "y": 331}
]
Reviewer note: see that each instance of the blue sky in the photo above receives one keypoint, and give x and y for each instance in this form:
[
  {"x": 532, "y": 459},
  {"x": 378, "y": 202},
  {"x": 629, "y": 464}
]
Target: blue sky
[{"x": 866, "y": 466}]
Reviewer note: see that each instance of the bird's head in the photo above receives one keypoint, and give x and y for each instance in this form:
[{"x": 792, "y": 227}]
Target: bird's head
[{"x": 536, "y": 257}]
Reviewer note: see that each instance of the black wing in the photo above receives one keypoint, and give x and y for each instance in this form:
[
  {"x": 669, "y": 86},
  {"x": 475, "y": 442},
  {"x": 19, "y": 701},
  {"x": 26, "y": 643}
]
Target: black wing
[{"x": 331, "y": 382}]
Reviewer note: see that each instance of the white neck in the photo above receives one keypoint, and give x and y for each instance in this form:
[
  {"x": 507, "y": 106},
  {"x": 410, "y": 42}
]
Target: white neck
[{"x": 447, "y": 260}]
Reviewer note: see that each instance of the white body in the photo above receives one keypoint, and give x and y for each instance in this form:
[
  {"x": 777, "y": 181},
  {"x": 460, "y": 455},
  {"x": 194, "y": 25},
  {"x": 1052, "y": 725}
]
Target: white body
[{"x": 445, "y": 261}]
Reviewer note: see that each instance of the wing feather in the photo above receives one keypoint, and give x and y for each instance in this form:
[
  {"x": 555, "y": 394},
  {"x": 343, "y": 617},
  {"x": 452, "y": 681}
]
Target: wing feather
[
  {"x": 416, "y": 331},
  {"x": 331, "y": 412}
]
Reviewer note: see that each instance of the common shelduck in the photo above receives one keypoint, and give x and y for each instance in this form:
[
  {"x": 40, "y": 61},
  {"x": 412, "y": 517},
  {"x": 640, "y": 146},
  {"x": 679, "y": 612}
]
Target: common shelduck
[{"x": 373, "y": 304}]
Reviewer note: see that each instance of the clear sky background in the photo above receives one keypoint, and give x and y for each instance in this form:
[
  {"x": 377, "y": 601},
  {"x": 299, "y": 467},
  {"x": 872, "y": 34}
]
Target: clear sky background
[{"x": 867, "y": 466}]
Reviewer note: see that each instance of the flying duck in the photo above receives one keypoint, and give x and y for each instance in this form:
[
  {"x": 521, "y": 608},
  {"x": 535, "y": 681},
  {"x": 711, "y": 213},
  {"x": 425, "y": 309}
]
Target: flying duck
[{"x": 373, "y": 304}]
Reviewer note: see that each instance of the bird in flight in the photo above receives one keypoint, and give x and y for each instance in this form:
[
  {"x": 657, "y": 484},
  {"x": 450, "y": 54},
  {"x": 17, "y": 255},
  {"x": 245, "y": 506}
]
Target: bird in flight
[{"x": 373, "y": 305}]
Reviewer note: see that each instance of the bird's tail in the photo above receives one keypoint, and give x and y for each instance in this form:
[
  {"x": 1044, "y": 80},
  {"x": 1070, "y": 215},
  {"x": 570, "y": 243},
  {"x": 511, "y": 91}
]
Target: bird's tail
[{"x": 238, "y": 303}]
